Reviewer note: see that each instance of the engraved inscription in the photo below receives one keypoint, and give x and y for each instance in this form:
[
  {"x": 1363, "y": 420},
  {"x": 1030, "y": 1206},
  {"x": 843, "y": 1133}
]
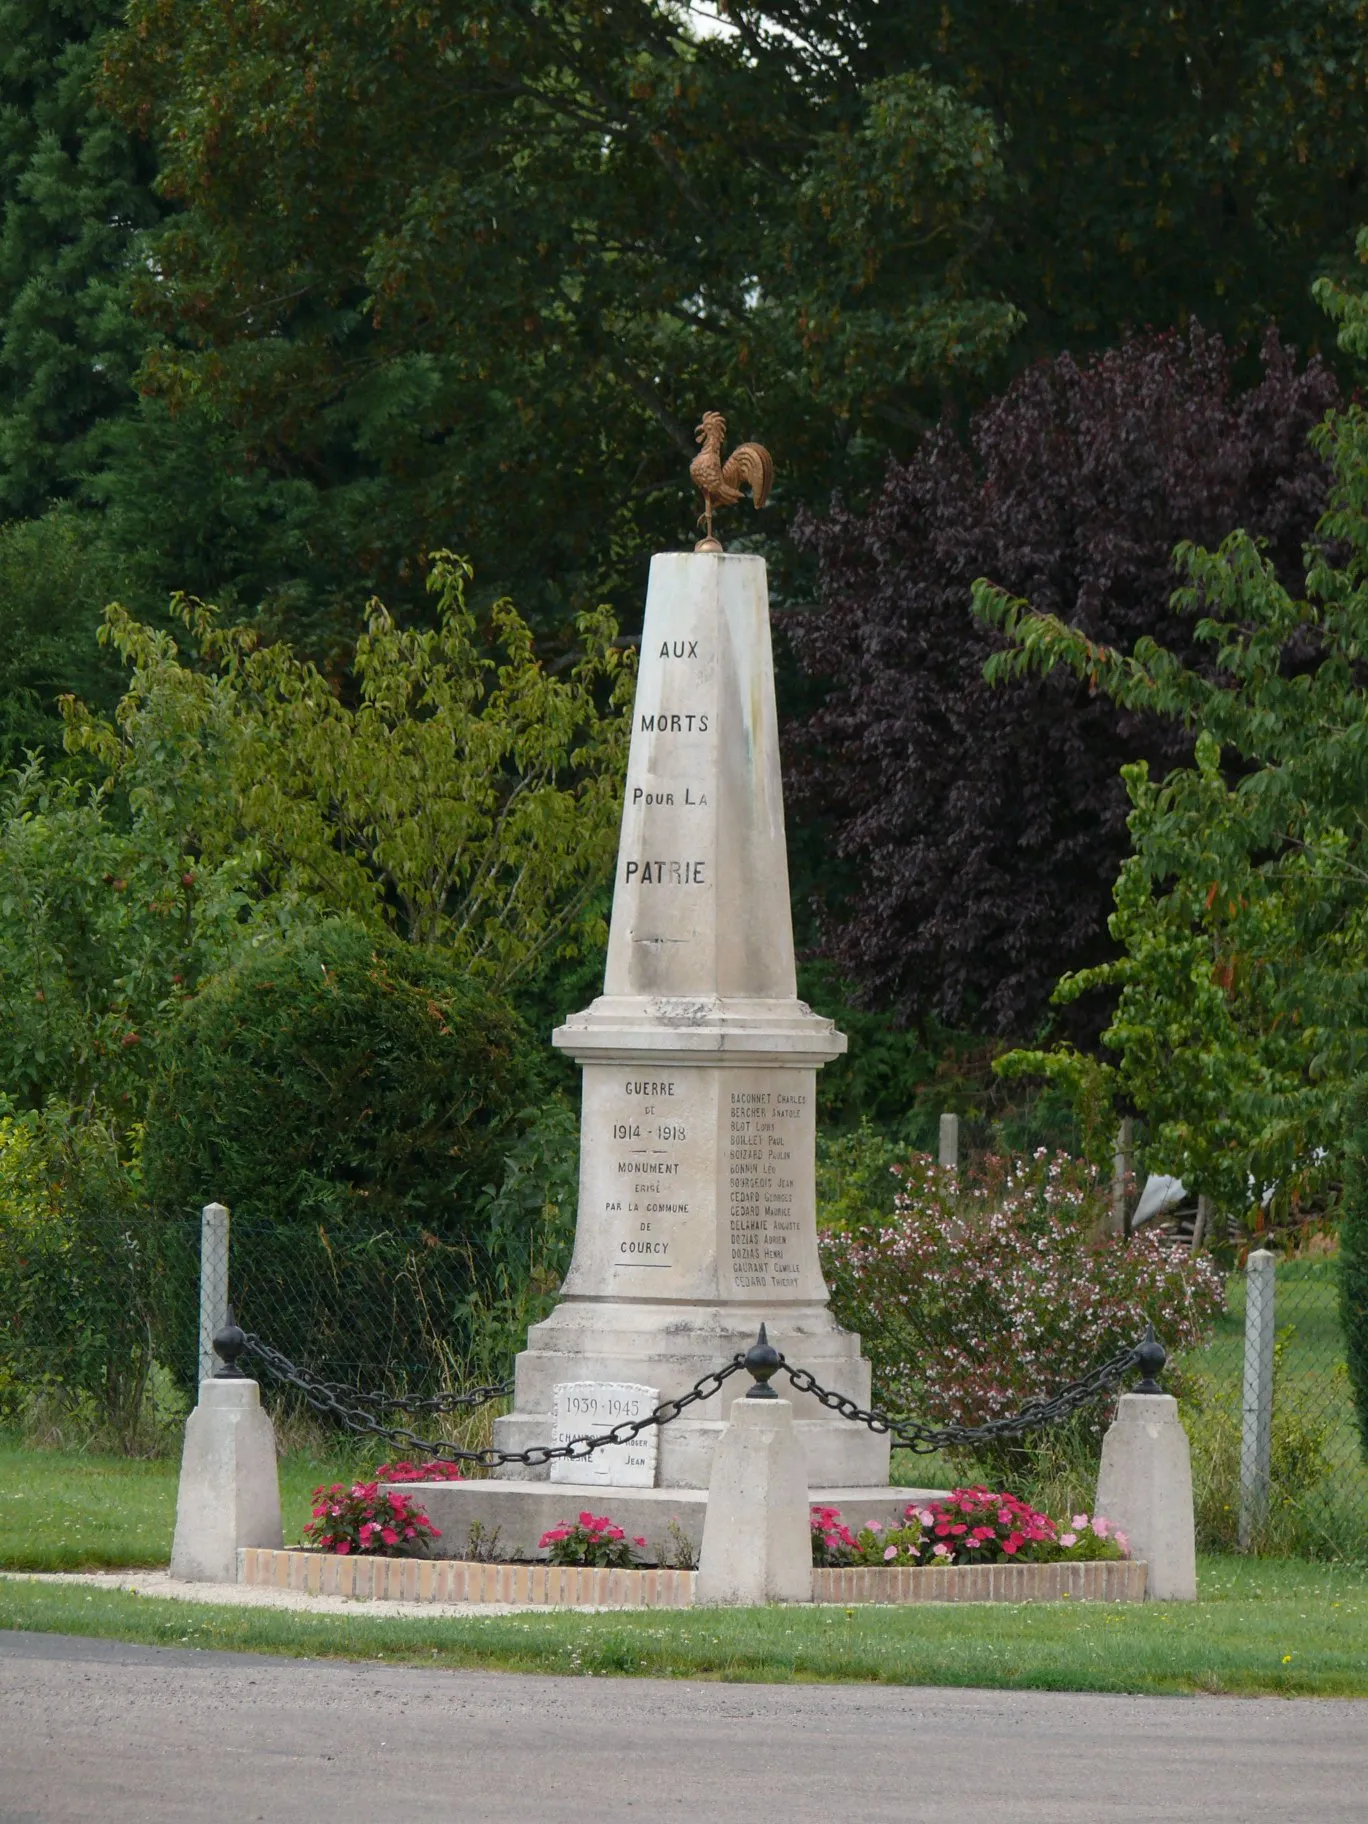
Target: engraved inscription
[
  {"x": 649, "y": 1165},
  {"x": 763, "y": 1226}
]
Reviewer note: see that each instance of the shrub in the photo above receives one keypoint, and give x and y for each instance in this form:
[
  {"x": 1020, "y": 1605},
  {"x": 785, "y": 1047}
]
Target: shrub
[
  {"x": 593, "y": 1539},
  {"x": 349, "y": 1097},
  {"x": 360, "y": 1519},
  {"x": 984, "y": 1292},
  {"x": 82, "y": 1297}
]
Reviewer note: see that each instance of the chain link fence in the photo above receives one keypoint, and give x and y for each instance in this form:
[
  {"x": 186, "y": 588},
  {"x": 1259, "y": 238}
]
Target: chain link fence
[
  {"x": 1278, "y": 1464},
  {"x": 101, "y": 1317}
]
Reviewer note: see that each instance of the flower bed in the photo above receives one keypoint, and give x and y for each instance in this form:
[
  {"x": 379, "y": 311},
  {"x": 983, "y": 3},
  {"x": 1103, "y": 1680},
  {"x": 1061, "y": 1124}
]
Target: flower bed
[
  {"x": 566, "y": 1586},
  {"x": 971, "y": 1526}
]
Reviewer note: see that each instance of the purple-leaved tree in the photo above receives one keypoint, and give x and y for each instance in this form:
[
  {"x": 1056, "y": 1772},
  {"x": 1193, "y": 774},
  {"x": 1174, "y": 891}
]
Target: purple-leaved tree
[{"x": 982, "y": 828}]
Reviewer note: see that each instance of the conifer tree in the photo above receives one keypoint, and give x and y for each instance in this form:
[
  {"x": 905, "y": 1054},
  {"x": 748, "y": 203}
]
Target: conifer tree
[{"x": 74, "y": 191}]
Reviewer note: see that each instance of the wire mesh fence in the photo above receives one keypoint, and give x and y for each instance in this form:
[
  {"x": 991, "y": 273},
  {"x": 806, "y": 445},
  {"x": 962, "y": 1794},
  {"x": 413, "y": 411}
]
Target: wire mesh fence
[
  {"x": 1314, "y": 1500},
  {"x": 98, "y": 1312}
]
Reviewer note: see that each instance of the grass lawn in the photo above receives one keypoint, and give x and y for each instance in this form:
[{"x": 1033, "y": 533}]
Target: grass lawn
[
  {"x": 1262, "y": 1627},
  {"x": 69, "y": 1511}
]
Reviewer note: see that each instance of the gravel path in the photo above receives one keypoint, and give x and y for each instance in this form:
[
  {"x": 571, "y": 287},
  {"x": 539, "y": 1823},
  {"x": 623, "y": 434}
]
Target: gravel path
[
  {"x": 243, "y": 1596},
  {"x": 145, "y": 1735}
]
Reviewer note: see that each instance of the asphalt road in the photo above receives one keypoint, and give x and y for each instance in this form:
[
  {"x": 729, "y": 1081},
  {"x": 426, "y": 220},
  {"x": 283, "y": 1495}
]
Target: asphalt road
[{"x": 96, "y": 1730}]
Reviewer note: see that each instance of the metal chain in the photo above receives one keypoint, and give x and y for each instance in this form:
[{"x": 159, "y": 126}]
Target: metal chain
[
  {"x": 323, "y": 1396},
  {"x": 907, "y": 1434},
  {"x": 360, "y": 1403},
  {"x": 357, "y": 1411}
]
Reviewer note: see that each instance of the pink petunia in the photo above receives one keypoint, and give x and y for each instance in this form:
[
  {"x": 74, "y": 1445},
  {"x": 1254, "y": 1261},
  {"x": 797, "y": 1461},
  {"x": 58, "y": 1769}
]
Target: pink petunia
[
  {"x": 890, "y": 1551},
  {"x": 1067, "y": 1539},
  {"x": 1078, "y": 1522}
]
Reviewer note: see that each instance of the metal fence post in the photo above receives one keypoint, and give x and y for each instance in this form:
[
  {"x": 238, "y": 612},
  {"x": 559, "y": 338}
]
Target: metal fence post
[
  {"x": 948, "y": 1153},
  {"x": 213, "y": 1310},
  {"x": 1256, "y": 1436}
]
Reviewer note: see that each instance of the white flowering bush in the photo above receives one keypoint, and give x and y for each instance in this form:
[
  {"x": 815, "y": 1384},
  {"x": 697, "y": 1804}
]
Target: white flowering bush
[{"x": 988, "y": 1289}]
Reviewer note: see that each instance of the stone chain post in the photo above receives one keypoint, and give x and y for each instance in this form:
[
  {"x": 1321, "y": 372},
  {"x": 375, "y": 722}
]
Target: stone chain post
[
  {"x": 1256, "y": 1435},
  {"x": 213, "y": 1311},
  {"x": 948, "y": 1153}
]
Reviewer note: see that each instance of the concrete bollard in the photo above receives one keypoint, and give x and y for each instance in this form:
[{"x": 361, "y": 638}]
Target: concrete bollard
[
  {"x": 1145, "y": 1487},
  {"x": 757, "y": 1538},
  {"x": 229, "y": 1491}
]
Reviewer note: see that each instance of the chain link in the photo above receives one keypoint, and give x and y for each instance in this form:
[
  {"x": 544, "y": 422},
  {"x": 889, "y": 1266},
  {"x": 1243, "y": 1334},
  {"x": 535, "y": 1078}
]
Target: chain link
[
  {"x": 355, "y": 1413},
  {"x": 924, "y": 1439}
]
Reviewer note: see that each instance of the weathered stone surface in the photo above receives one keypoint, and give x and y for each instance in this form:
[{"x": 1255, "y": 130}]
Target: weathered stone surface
[
  {"x": 586, "y": 1409},
  {"x": 1144, "y": 1486},
  {"x": 522, "y": 1511},
  {"x": 229, "y": 1494},
  {"x": 696, "y": 1218},
  {"x": 757, "y": 1537}
]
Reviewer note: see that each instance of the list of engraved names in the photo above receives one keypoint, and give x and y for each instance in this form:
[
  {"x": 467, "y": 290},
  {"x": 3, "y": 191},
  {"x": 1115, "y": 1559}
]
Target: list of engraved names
[{"x": 764, "y": 1127}]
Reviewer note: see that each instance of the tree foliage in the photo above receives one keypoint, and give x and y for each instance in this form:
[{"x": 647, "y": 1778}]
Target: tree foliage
[
  {"x": 983, "y": 828},
  {"x": 349, "y": 1097},
  {"x": 474, "y": 269},
  {"x": 1242, "y": 991},
  {"x": 460, "y": 800},
  {"x": 469, "y": 805},
  {"x": 75, "y": 190},
  {"x": 481, "y": 266}
]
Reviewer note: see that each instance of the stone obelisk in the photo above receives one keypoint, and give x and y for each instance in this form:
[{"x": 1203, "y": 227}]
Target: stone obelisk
[{"x": 696, "y": 1218}]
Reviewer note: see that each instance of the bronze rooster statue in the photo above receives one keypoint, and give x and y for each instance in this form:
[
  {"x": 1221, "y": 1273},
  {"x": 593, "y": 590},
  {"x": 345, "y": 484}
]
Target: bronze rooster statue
[{"x": 720, "y": 483}]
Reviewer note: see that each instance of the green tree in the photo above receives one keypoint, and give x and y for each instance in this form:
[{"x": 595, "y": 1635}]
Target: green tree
[
  {"x": 53, "y": 578},
  {"x": 477, "y": 267},
  {"x": 468, "y": 804},
  {"x": 461, "y": 800},
  {"x": 1242, "y": 995},
  {"x": 74, "y": 193},
  {"x": 350, "y": 1097},
  {"x": 481, "y": 266}
]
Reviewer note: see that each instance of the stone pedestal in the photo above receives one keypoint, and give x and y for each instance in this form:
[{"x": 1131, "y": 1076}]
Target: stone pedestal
[
  {"x": 229, "y": 1493},
  {"x": 757, "y": 1538},
  {"x": 1144, "y": 1486},
  {"x": 696, "y": 1218}
]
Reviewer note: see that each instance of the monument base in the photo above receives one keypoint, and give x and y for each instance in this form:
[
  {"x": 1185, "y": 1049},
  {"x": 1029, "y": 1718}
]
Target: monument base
[
  {"x": 520, "y": 1512},
  {"x": 670, "y": 1347}
]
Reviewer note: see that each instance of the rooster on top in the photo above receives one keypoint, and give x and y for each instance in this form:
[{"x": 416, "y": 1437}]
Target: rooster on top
[{"x": 720, "y": 483}]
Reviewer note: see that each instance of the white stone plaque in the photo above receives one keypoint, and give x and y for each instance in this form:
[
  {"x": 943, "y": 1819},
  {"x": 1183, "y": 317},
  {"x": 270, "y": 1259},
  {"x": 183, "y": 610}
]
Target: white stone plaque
[{"x": 585, "y": 1409}]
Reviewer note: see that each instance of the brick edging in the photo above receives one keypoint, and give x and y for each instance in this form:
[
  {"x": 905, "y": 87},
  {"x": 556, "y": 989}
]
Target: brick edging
[
  {"x": 1103, "y": 1580},
  {"x": 559, "y": 1586},
  {"x": 456, "y": 1580}
]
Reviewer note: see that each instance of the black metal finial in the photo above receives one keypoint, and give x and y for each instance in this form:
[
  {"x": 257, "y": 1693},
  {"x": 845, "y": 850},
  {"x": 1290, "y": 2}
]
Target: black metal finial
[
  {"x": 762, "y": 1359},
  {"x": 230, "y": 1343},
  {"x": 1150, "y": 1357}
]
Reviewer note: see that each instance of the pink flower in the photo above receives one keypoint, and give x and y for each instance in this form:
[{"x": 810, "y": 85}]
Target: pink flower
[
  {"x": 343, "y": 1547},
  {"x": 875, "y": 1526},
  {"x": 890, "y": 1551},
  {"x": 941, "y": 1551},
  {"x": 638, "y": 1542},
  {"x": 1078, "y": 1522},
  {"x": 1123, "y": 1543},
  {"x": 1101, "y": 1526},
  {"x": 388, "y": 1534},
  {"x": 1067, "y": 1539}
]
